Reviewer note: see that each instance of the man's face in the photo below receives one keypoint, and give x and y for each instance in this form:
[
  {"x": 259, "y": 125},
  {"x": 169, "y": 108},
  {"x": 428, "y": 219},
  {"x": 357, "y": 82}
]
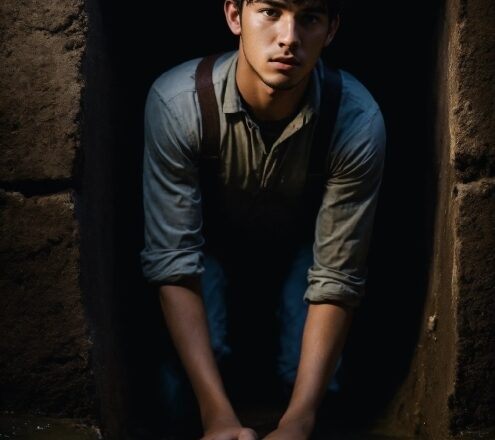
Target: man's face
[{"x": 280, "y": 41}]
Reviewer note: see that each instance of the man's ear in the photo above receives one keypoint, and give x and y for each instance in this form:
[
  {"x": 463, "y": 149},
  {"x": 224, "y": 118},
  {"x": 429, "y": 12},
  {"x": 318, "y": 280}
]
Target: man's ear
[
  {"x": 232, "y": 16},
  {"x": 332, "y": 29}
]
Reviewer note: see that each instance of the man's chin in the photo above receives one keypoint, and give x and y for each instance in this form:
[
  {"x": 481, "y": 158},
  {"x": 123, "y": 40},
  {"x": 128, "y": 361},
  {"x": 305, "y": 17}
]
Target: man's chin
[{"x": 281, "y": 84}]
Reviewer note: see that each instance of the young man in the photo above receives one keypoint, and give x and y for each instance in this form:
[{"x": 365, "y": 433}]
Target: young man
[{"x": 270, "y": 101}]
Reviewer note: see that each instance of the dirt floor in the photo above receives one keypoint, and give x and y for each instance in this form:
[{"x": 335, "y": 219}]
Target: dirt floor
[
  {"x": 262, "y": 420},
  {"x": 43, "y": 428}
]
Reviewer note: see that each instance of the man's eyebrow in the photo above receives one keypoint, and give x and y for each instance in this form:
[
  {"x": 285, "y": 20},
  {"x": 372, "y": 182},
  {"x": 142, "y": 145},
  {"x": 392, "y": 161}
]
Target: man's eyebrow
[
  {"x": 273, "y": 3},
  {"x": 282, "y": 4},
  {"x": 315, "y": 9}
]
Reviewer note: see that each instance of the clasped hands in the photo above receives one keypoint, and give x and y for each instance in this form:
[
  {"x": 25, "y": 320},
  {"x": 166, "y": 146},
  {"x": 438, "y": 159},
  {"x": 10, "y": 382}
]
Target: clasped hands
[{"x": 287, "y": 430}]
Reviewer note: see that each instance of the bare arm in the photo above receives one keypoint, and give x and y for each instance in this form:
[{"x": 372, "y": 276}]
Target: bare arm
[
  {"x": 325, "y": 332},
  {"x": 185, "y": 317}
]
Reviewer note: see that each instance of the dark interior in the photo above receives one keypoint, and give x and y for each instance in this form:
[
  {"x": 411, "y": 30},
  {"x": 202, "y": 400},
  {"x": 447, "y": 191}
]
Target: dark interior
[{"x": 392, "y": 50}]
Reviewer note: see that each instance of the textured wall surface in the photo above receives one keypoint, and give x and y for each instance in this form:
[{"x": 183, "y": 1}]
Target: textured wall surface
[
  {"x": 472, "y": 79},
  {"x": 473, "y": 399},
  {"x": 45, "y": 363},
  {"x": 450, "y": 391},
  {"x": 41, "y": 45},
  {"x": 472, "y": 99},
  {"x": 45, "y": 348}
]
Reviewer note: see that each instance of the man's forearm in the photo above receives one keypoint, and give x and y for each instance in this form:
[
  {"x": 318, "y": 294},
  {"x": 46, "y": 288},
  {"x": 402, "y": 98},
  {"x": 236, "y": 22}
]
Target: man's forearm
[
  {"x": 185, "y": 316},
  {"x": 325, "y": 332}
]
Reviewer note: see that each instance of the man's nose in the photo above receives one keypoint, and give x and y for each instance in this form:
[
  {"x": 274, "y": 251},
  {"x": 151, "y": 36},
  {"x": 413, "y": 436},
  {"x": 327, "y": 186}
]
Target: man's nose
[{"x": 289, "y": 33}]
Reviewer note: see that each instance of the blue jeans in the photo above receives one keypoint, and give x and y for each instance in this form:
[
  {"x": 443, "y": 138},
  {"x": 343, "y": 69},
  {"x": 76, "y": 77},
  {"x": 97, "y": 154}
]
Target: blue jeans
[{"x": 290, "y": 313}]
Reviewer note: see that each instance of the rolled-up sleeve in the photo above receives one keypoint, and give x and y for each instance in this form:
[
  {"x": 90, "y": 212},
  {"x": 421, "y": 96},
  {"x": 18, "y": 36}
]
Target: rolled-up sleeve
[
  {"x": 171, "y": 197},
  {"x": 345, "y": 219}
]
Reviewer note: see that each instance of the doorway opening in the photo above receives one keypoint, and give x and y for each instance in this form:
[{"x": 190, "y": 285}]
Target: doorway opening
[{"x": 143, "y": 43}]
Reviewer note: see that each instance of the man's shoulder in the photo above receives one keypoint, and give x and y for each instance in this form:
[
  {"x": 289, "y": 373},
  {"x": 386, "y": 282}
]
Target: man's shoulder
[
  {"x": 360, "y": 128},
  {"x": 356, "y": 96},
  {"x": 176, "y": 80},
  {"x": 180, "y": 79},
  {"x": 358, "y": 108}
]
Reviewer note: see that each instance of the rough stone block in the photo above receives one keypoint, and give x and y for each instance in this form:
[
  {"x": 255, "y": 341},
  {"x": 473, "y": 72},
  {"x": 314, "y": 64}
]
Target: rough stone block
[
  {"x": 474, "y": 283},
  {"x": 44, "y": 348},
  {"x": 41, "y": 47},
  {"x": 474, "y": 90}
]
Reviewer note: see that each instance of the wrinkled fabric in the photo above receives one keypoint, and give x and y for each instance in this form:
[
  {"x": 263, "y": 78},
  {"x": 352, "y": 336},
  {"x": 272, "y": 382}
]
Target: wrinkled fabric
[{"x": 174, "y": 234}]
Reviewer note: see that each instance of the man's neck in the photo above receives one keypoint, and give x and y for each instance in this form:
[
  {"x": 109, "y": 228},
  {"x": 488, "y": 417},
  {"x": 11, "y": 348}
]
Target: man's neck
[{"x": 265, "y": 102}]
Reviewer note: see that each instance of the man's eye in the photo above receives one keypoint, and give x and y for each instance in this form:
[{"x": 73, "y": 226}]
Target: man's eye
[
  {"x": 271, "y": 13},
  {"x": 310, "y": 19}
]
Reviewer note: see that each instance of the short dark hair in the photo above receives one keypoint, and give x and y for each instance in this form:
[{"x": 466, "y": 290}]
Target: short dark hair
[{"x": 334, "y": 7}]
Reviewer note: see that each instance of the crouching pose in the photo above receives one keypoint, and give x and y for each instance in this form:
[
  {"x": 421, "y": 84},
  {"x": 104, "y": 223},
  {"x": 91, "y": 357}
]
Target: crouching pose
[{"x": 262, "y": 170}]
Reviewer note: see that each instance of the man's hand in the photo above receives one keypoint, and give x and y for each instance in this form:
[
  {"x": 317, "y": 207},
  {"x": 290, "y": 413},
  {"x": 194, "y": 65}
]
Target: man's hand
[
  {"x": 292, "y": 430},
  {"x": 228, "y": 429},
  {"x": 231, "y": 434}
]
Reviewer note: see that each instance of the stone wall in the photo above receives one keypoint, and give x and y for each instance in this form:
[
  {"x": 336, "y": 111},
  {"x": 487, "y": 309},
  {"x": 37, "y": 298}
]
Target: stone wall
[
  {"x": 472, "y": 109},
  {"x": 450, "y": 391},
  {"x": 45, "y": 350},
  {"x": 45, "y": 364},
  {"x": 42, "y": 44}
]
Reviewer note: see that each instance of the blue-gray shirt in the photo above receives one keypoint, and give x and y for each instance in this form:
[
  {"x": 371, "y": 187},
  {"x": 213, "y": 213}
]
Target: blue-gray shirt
[{"x": 172, "y": 195}]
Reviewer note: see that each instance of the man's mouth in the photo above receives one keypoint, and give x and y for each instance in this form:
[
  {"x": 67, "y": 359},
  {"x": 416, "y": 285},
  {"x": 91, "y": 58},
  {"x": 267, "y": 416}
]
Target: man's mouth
[{"x": 290, "y": 61}]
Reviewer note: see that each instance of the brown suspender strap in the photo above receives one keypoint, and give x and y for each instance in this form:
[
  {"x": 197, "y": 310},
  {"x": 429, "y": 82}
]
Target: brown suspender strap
[
  {"x": 330, "y": 101},
  {"x": 209, "y": 157},
  {"x": 210, "y": 120},
  {"x": 209, "y": 166}
]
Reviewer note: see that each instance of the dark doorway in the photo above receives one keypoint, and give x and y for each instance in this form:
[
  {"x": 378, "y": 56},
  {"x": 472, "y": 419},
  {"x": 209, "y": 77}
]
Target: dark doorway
[{"x": 394, "y": 54}]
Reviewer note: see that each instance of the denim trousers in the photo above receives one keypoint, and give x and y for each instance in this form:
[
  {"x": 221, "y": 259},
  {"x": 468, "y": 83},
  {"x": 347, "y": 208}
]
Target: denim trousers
[{"x": 285, "y": 307}]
